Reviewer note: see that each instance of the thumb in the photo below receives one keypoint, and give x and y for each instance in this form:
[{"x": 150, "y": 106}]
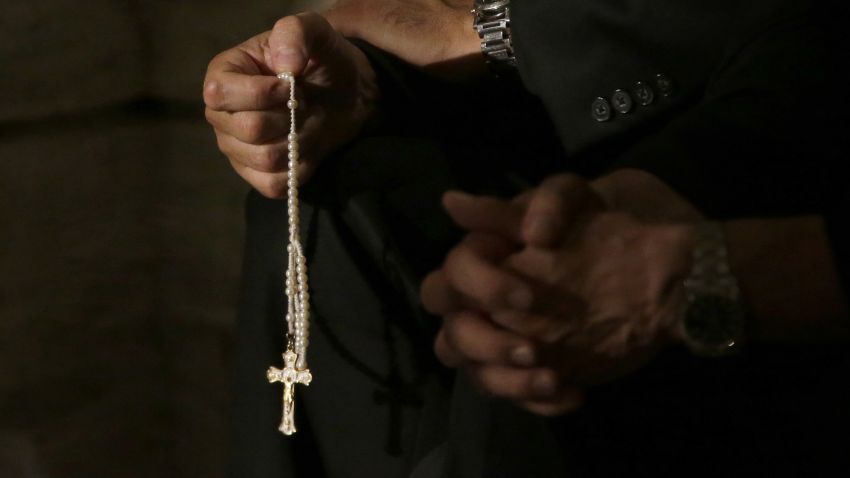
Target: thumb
[
  {"x": 296, "y": 39},
  {"x": 485, "y": 214}
]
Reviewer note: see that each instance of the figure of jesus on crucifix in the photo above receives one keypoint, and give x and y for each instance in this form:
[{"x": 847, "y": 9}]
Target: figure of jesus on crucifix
[{"x": 289, "y": 376}]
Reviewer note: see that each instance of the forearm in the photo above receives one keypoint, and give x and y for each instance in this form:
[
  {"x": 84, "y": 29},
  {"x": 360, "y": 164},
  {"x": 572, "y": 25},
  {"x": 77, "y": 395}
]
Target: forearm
[
  {"x": 788, "y": 279},
  {"x": 435, "y": 36}
]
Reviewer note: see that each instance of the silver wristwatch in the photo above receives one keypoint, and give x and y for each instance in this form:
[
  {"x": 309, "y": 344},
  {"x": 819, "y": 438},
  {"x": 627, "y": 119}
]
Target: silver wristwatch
[
  {"x": 713, "y": 317},
  {"x": 492, "y": 21}
]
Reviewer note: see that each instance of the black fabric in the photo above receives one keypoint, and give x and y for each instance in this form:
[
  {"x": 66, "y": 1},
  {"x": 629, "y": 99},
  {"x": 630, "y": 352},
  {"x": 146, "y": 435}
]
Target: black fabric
[
  {"x": 370, "y": 346},
  {"x": 741, "y": 135}
]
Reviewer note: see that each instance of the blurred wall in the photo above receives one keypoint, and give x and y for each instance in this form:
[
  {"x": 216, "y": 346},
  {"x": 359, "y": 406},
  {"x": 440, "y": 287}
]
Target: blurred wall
[{"x": 120, "y": 237}]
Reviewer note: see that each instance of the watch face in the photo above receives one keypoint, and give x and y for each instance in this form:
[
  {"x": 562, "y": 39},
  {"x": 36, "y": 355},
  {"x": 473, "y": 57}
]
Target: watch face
[{"x": 714, "y": 323}]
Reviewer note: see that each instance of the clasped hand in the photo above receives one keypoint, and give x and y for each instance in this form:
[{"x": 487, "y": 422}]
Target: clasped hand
[{"x": 552, "y": 292}]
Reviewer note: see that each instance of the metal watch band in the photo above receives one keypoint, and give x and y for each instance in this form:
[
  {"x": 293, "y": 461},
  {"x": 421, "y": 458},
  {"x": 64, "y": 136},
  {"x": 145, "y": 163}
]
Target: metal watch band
[
  {"x": 713, "y": 320},
  {"x": 492, "y": 22},
  {"x": 710, "y": 273}
]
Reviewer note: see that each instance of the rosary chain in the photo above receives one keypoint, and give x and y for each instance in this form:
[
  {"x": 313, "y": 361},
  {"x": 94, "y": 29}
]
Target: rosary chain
[{"x": 297, "y": 292}]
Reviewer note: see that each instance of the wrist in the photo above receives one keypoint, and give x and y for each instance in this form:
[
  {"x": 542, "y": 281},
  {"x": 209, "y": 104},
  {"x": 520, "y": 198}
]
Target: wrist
[
  {"x": 461, "y": 58},
  {"x": 671, "y": 247}
]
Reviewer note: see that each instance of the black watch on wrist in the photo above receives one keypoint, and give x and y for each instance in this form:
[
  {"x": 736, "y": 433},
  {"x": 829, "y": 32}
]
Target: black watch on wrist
[
  {"x": 712, "y": 322},
  {"x": 492, "y": 22}
]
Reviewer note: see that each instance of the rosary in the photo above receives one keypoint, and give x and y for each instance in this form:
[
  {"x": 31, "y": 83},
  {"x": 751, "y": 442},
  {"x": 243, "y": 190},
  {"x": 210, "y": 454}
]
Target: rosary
[{"x": 294, "y": 369}]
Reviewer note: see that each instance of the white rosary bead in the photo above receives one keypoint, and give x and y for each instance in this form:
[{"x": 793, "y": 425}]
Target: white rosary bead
[
  {"x": 293, "y": 155},
  {"x": 292, "y": 137},
  {"x": 292, "y": 104}
]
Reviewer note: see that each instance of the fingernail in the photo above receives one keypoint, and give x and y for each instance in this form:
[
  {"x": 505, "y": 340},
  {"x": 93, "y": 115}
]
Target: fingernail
[
  {"x": 523, "y": 356},
  {"x": 520, "y": 299},
  {"x": 544, "y": 384}
]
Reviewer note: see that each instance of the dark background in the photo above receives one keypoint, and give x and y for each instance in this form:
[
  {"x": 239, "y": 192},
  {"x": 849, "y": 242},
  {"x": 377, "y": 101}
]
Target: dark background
[{"x": 120, "y": 237}]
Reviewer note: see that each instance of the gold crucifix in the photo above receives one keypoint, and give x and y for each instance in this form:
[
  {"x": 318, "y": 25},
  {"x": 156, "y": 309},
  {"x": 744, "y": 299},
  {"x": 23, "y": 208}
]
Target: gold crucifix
[{"x": 289, "y": 376}]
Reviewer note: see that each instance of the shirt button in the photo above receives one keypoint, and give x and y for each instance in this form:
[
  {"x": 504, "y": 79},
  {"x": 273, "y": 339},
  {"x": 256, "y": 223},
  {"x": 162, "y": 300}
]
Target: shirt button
[
  {"x": 644, "y": 93},
  {"x": 664, "y": 84},
  {"x": 601, "y": 110},
  {"x": 623, "y": 102}
]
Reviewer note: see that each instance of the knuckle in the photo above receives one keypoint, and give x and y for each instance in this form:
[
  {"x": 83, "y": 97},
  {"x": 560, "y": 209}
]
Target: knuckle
[
  {"x": 209, "y": 114},
  {"x": 443, "y": 352},
  {"x": 271, "y": 187},
  {"x": 483, "y": 380},
  {"x": 258, "y": 92},
  {"x": 500, "y": 384},
  {"x": 493, "y": 292},
  {"x": 213, "y": 93},
  {"x": 429, "y": 292},
  {"x": 458, "y": 337},
  {"x": 450, "y": 329},
  {"x": 426, "y": 294},
  {"x": 252, "y": 127},
  {"x": 268, "y": 159},
  {"x": 546, "y": 201},
  {"x": 454, "y": 259},
  {"x": 224, "y": 147}
]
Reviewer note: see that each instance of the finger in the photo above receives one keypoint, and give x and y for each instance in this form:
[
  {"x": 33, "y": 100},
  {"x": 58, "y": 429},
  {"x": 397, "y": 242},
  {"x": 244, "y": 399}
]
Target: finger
[
  {"x": 519, "y": 384},
  {"x": 471, "y": 271},
  {"x": 236, "y": 91},
  {"x": 251, "y": 127},
  {"x": 566, "y": 400},
  {"x": 478, "y": 340},
  {"x": 485, "y": 214},
  {"x": 270, "y": 185},
  {"x": 543, "y": 328},
  {"x": 297, "y": 38},
  {"x": 264, "y": 158},
  {"x": 438, "y": 297},
  {"x": 554, "y": 208},
  {"x": 445, "y": 352}
]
